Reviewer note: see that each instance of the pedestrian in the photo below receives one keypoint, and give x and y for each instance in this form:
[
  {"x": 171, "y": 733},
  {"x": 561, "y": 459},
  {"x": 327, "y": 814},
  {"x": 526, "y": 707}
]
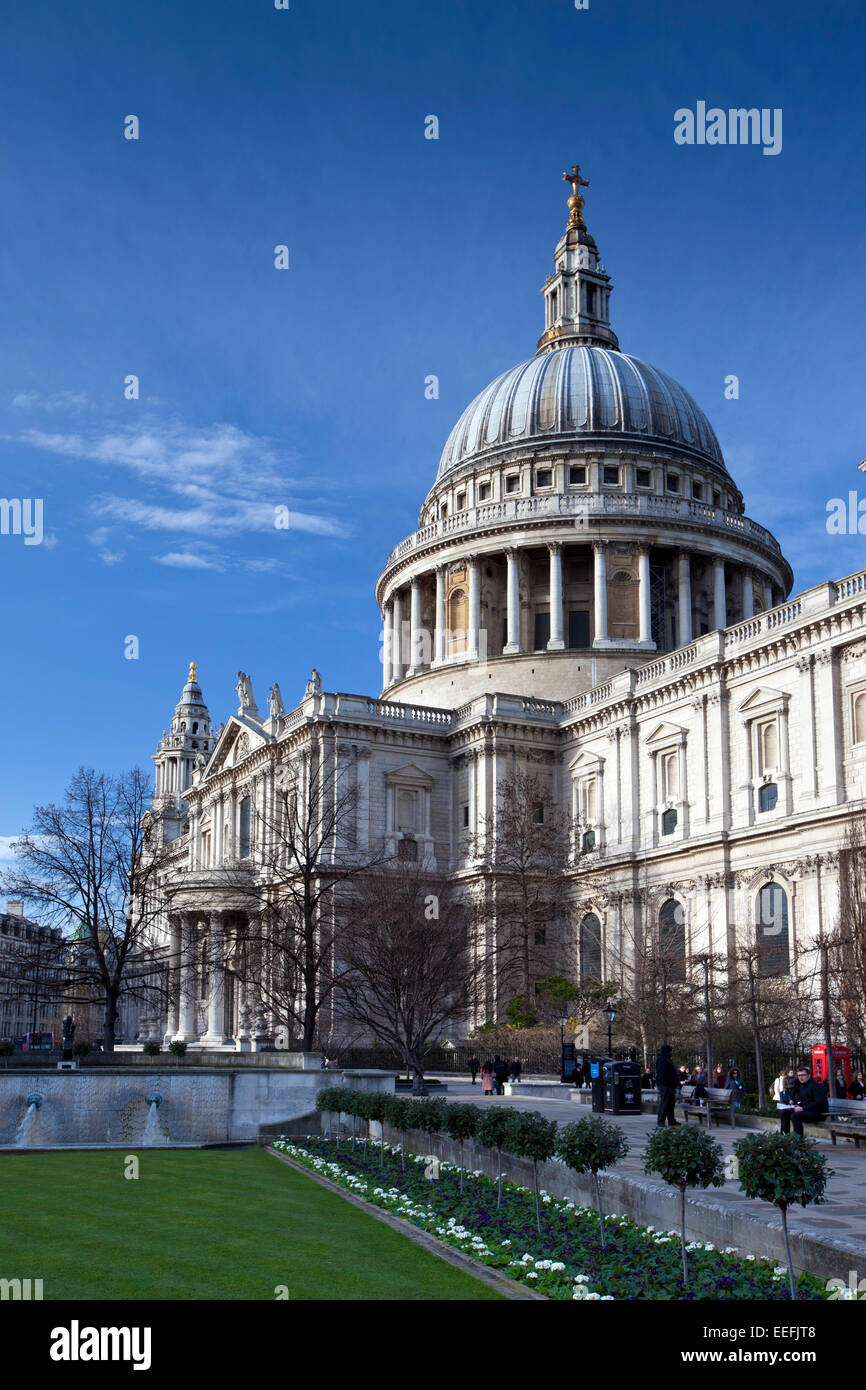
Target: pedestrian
[
  {"x": 779, "y": 1085},
  {"x": 806, "y": 1101},
  {"x": 474, "y": 1064},
  {"x": 515, "y": 1069},
  {"x": 734, "y": 1084},
  {"x": 646, "y": 1081},
  {"x": 700, "y": 1093},
  {"x": 500, "y": 1073},
  {"x": 841, "y": 1088},
  {"x": 487, "y": 1079},
  {"x": 719, "y": 1078},
  {"x": 857, "y": 1089},
  {"x": 667, "y": 1082}
]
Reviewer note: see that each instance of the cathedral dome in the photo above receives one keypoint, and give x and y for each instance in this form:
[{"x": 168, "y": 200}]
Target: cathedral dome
[{"x": 580, "y": 394}]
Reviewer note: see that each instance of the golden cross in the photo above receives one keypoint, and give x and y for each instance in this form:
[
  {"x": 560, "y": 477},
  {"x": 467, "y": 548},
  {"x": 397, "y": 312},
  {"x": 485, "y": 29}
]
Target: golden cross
[
  {"x": 575, "y": 180},
  {"x": 576, "y": 202}
]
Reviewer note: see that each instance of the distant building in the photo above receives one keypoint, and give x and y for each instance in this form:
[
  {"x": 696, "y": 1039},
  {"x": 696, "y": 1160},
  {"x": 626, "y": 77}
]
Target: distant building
[{"x": 32, "y": 961}]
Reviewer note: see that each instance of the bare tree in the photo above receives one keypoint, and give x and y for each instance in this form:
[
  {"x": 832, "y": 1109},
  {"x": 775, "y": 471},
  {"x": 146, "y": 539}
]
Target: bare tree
[
  {"x": 408, "y": 962},
  {"x": 89, "y": 867},
  {"x": 304, "y": 855},
  {"x": 525, "y": 844}
]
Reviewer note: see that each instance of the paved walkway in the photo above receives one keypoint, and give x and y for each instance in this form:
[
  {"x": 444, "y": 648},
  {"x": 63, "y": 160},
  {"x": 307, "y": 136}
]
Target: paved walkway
[{"x": 842, "y": 1216}]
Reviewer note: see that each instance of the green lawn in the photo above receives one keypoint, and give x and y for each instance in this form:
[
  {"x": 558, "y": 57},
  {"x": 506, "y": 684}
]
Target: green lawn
[{"x": 203, "y": 1224}]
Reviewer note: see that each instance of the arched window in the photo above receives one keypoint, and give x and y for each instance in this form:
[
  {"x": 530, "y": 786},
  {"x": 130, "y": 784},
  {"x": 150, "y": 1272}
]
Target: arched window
[
  {"x": 771, "y": 930},
  {"x": 768, "y": 795},
  {"x": 669, "y": 822},
  {"x": 590, "y": 947},
  {"x": 458, "y": 621},
  {"x": 244, "y": 827},
  {"x": 859, "y": 719},
  {"x": 588, "y": 841},
  {"x": 769, "y": 746},
  {"x": 672, "y": 939}
]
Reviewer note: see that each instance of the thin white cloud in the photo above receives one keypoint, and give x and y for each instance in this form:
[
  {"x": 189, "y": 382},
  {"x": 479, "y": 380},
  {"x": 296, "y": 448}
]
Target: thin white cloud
[
  {"x": 184, "y": 559},
  {"x": 58, "y": 400},
  {"x": 227, "y": 482}
]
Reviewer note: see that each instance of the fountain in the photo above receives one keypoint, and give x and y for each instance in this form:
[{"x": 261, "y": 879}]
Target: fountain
[
  {"x": 152, "y": 1132},
  {"x": 25, "y": 1135}
]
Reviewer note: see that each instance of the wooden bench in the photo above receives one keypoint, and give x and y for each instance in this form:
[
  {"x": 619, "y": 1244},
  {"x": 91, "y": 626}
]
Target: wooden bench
[
  {"x": 719, "y": 1103},
  {"x": 848, "y": 1118}
]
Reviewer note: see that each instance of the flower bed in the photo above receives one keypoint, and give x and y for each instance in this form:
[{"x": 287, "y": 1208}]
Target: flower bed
[{"x": 567, "y": 1261}]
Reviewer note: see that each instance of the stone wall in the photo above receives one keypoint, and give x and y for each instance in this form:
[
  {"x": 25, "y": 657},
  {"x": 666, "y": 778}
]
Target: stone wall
[{"x": 201, "y": 1106}]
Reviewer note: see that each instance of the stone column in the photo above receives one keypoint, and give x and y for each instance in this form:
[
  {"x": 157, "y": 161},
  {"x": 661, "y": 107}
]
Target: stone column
[
  {"x": 684, "y": 585},
  {"x": 645, "y": 629},
  {"x": 720, "y": 614},
  {"x": 556, "y": 643},
  {"x": 600, "y": 592},
  {"x": 807, "y": 737},
  {"x": 362, "y": 832},
  {"x": 768, "y": 595},
  {"x": 215, "y": 1037},
  {"x": 512, "y": 597},
  {"x": 748, "y": 595},
  {"x": 397, "y": 639},
  {"x": 186, "y": 1026},
  {"x": 416, "y": 637},
  {"x": 173, "y": 981},
  {"x": 387, "y": 646},
  {"x": 472, "y": 636},
  {"x": 784, "y": 777},
  {"x": 439, "y": 640}
]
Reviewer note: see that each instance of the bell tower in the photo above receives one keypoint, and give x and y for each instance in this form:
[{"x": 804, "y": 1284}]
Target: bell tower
[
  {"x": 190, "y": 737},
  {"x": 577, "y": 295}
]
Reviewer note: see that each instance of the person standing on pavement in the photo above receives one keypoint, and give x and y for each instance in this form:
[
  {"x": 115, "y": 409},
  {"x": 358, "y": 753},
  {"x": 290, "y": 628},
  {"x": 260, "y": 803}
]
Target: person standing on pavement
[
  {"x": 500, "y": 1071},
  {"x": 515, "y": 1069},
  {"x": 487, "y": 1079},
  {"x": 667, "y": 1085},
  {"x": 474, "y": 1065}
]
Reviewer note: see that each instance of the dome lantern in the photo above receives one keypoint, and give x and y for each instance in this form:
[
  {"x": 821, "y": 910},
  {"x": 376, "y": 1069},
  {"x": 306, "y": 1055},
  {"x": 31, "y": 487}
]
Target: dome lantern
[{"x": 577, "y": 295}]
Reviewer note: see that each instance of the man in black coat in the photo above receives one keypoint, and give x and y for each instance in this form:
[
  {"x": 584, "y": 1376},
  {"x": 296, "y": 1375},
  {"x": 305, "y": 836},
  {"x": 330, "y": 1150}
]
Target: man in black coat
[
  {"x": 500, "y": 1072},
  {"x": 809, "y": 1098},
  {"x": 667, "y": 1082}
]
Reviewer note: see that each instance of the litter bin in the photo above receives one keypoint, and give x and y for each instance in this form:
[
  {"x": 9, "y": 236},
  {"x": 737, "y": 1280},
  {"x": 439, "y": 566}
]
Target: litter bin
[
  {"x": 622, "y": 1088},
  {"x": 596, "y": 1081}
]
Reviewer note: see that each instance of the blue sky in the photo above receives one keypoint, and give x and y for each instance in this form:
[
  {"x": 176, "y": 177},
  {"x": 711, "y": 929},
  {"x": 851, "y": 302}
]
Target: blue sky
[{"x": 407, "y": 257}]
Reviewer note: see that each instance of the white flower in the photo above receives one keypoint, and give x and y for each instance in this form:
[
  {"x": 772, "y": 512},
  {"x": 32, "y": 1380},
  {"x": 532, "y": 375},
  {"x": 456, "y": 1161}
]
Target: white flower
[
  {"x": 532, "y": 1276},
  {"x": 581, "y": 1278}
]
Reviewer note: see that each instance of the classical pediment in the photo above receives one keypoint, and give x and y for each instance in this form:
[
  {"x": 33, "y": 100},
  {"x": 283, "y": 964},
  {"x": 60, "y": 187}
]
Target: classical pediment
[
  {"x": 666, "y": 732},
  {"x": 586, "y": 762},
  {"x": 409, "y": 773},
  {"x": 239, "y": 738},
  {"x": 764, "y": 698}
]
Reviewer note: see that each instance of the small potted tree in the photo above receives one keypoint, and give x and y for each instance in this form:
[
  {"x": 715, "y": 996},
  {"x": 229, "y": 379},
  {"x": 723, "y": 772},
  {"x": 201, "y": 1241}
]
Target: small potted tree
[
  {"x": 532, "y": 1136},
  {"x": 589, "y": 1146},
  {"x": 150, "y": 1049},
  {"x": 491, "y": 1131},
  {"x": 460, "y": 1122},
  {"x": 398, "y": 1113},
  {"x": 685, "y": 1157},
  {"x": 782, "y": 1169}
]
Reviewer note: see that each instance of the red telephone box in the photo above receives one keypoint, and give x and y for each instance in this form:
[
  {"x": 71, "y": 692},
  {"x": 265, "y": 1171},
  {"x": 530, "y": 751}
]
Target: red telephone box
[{"x": 841, "y": 1058}]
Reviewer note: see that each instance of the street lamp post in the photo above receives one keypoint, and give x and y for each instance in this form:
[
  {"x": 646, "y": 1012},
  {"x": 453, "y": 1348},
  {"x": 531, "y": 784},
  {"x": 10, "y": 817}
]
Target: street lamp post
[{"x": 610, "y": 1011}]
